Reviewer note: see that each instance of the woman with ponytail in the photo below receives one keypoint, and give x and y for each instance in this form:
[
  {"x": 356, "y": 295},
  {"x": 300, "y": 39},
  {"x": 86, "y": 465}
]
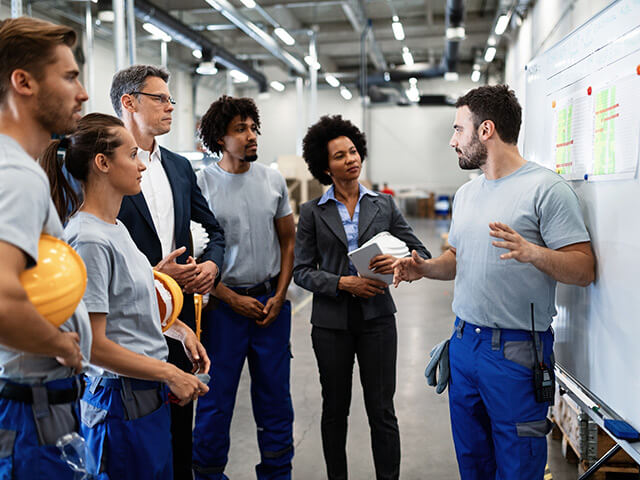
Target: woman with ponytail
[{"x": 124, "y": 410}]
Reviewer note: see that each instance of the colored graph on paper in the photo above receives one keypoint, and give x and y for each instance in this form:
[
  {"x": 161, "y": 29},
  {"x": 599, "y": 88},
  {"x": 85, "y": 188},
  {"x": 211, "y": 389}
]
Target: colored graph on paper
[
  {"x": 572, "y": 136},
  {"x": 615, "y": 130}
]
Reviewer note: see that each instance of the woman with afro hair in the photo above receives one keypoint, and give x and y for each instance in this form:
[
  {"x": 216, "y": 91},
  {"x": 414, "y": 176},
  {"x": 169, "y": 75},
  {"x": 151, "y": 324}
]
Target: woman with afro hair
[{"x": 352, "y": 316}]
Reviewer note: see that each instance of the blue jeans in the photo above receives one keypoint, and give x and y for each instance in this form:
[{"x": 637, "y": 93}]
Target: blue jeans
[
  {"x": 499, "y": 430},
  {"x": 229, "y": 339}
]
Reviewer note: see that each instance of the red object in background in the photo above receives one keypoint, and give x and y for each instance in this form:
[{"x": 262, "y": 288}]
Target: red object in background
[
  {"x": 388, "y": 191},
  {"x": 638, "y": 69},
  {"x": 589, "y": 91}
]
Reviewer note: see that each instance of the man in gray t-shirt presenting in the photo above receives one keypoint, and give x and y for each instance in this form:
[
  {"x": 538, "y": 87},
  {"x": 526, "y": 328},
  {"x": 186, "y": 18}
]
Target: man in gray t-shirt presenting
[
  {"x": 517, "y": 229},
  {"x": 253, "y": 319}
]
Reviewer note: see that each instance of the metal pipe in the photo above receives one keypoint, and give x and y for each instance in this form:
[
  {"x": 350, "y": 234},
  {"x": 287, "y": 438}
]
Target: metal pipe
[
  {"x": 252, "y": 30},
  {"x": 596, "y": 466},
  {"x": 164, "y": 53},
  {"x": 181, "y": 33},
  {"x": 16, "y": 8},
  {"x": 300, "y": 114},
  {"x": 313, "y": 79},
  {"x": 88, "y": 55},
  {"x": 131, "y": 31},
  {"x": 119, "y": 34}
]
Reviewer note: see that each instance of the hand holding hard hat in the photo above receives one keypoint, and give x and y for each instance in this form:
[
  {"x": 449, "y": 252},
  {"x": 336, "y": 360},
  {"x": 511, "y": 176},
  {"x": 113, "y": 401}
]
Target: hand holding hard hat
[
  {"x": 170, "y": 298},
  {"x": 57, "y": 283}
]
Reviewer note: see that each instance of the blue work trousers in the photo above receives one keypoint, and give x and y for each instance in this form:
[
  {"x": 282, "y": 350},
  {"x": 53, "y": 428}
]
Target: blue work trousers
[
  {"x": 127, "y": 448},
  {"x": 231, "y": 338},
  {"x": 499, "y": 430},
  {"x": 22, "y": 456}
]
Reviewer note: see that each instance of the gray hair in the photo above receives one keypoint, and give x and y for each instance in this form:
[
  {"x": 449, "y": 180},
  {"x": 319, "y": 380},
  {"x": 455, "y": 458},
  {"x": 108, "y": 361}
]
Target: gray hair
[{"x": 132, "y": 79}]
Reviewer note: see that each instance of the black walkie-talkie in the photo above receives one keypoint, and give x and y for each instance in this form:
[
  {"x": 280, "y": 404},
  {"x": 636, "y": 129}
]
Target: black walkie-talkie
[{"x": 544, "y": 380}]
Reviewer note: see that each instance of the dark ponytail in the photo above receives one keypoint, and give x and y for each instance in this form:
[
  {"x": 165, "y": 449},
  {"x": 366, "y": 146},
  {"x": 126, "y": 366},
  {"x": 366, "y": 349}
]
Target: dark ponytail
[{"x": 96, "y": 133}]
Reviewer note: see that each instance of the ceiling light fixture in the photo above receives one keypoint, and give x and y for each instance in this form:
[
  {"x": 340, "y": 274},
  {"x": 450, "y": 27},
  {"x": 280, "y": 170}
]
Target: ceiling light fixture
[
  {"x": 346, "y": 93},
  {"x": 284, "y": 36},
  {"x": 398, "y": 31},
  {"x": 238, "y": 76},
  {"x": 475, "y": 76},
  {"x": 502, "y": 24},
  {"x": 156, "y": 33},
  {"x": 332, "y": 80},
  {"x": 490, "y": 54},
  {"x": 277, "y": 86},
  {"x": 455, "y": 33}
]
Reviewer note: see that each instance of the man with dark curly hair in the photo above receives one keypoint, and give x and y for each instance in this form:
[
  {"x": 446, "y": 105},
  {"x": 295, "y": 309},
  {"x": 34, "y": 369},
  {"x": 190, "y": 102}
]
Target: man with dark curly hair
[
  {"x": 352, "y": 316},
  {"x": 253, "y": 318}
]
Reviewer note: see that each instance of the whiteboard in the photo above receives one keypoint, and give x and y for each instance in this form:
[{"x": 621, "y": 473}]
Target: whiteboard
[{"x": 598, "y": 327}]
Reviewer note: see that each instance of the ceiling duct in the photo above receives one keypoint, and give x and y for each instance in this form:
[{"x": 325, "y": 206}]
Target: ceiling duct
[
  {"x": 181, "y": 33},
  {"x": 454, "y": 13}
]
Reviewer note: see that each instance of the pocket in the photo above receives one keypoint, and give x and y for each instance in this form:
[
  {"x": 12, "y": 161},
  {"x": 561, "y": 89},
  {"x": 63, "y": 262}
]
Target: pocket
[
  {"x": 520, "y": 352},
  {"x": 60, "y": 420},
  {"x": 7, "y": 441},
  {"x": 93, "y": 428},
  {"x": 538, "y": 428}
]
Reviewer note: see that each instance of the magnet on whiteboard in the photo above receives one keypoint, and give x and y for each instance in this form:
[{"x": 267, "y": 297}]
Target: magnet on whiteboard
[
  {"x": 586, "y": 176},
  {"x": 589, "y": 91},
  {"x": 553, "y": 104},
  {"x": 638, "y": 69},
  {"x": 558, "y": 171}
]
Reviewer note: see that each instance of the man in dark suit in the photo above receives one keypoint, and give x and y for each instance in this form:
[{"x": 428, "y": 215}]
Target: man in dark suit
[{"x": 159, "y": 217}]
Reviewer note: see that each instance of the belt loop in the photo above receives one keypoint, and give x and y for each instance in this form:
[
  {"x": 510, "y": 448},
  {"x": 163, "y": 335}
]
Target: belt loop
[
  {"x": 127, "y": 392},
  {"x": 495, "y": 339},
  {"x": 40, "y": 401},
  {"x": 95, "y": 383},
  {"x": 459, "y": 328}
]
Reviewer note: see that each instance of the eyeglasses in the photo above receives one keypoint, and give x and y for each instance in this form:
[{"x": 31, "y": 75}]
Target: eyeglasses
[{"x": 159, "y": 97}]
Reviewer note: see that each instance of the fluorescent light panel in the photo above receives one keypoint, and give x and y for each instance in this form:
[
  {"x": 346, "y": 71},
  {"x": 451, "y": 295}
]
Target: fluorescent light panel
[
  {"x": 398, "y": 31},
  {"x": 451, "y": 76},
  {"x": 277, "y": 86},
  {"x": 475, "y": 76},
  {"x": 284, "y": 36},
  {"x": 407, "y": 57},
  {"x": 331, "y": 80},
  {"x": 455, "y": 33},
  {"x": 156, "y": 32},
  {"x": 197, "y": 53},
  {"x": 238, "y": 76},
  {"x": 312, "y": 62},
  {"x": 346, "y": 93},
  {"x": 249, "y": 3},
  {"x": 490, "y": 54},
  {"x": 501, "y": 24}
]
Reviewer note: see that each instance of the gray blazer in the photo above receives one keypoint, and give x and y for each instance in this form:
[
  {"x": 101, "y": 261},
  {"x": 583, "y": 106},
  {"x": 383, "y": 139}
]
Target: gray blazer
[{"x": 321, "y": 256}]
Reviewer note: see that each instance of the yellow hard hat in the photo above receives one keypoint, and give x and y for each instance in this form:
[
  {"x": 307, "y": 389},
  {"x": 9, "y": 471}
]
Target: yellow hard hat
[
  {"x": 56, "y": 284},
  {"x": 170, "y": 299}
]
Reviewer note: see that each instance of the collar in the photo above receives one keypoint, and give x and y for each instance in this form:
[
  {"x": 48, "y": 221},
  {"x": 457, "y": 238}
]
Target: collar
[
  {"x": 148, "y": 157},
  {"x": 330, "y": 194}
]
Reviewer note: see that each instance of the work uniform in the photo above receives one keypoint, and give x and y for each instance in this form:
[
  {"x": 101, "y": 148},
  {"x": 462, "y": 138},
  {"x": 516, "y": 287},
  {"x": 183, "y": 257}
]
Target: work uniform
[
  {"x": 126, "y": 421},
  {"x": 247, "y": 205},
  {"x": 498, "y": 427},
  {"x": 38, "y": 396}
]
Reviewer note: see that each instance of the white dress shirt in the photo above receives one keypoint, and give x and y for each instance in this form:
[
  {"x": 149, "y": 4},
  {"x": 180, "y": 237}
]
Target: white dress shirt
[{"x": 159, "y": 197}]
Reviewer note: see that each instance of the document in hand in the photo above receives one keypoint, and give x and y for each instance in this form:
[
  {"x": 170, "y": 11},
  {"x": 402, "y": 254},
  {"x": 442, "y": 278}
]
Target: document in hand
[
  {"x": 361, "y": 257},
  {"x": 382, "y": 243}
]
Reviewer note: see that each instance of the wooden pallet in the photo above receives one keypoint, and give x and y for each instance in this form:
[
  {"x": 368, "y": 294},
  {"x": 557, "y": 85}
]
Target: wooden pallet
[{"x": 583, "y": 442}]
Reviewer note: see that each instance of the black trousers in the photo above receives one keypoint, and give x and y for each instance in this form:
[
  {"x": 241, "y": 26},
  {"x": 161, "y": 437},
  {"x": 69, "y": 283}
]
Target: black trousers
[
  {"x": 181, "y": 418},
  {"x": 374, "y": 343}
]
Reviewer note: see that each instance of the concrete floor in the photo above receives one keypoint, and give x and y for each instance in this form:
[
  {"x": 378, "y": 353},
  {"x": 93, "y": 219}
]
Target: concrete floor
[{"x": 424, "y": 318}]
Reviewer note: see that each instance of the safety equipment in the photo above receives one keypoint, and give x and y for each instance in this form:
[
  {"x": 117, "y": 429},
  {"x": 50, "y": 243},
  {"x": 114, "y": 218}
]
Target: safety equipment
[
  {"x": 56, "y": 284},
  {"x": 170, "y": 298},
  {"x": 437, "y": 371}
]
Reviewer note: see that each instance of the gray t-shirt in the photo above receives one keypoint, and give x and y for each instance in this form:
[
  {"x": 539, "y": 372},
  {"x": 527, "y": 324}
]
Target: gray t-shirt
[
  {"x": 120, "y": 284},
  {"x": 247, "y": 205},
  {"x": 540, "y": 206},
  {"x": 26, "y": 211}
]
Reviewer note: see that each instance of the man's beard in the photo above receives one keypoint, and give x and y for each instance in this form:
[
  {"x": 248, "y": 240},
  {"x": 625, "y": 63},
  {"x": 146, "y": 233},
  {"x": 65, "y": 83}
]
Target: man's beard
[
  {"x": 250, "y": 158},
  {"x": 49, "y": 114},
  {"x": 476, "y": 156}
]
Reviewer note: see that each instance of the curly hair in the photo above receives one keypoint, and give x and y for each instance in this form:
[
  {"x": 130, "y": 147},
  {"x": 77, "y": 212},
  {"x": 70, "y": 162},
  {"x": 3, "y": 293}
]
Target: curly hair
[
  {"x": 315, "y": 144},
  {"x": 215, "y": 122}
]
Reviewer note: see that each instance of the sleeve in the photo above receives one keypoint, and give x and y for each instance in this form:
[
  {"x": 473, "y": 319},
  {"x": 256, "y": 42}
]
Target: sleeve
[
  {"x": 24, "y": 206},
  {"x": 452, "y": 239},
  {"x": 99, "y": 265},
  {"x": 306, "y": 273},
  {"x": 201, "y": 213},
  {"x": 561, "y": 220},
  {"x": 284, "y": 207},
  {"x": 401, "y": 229}
]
